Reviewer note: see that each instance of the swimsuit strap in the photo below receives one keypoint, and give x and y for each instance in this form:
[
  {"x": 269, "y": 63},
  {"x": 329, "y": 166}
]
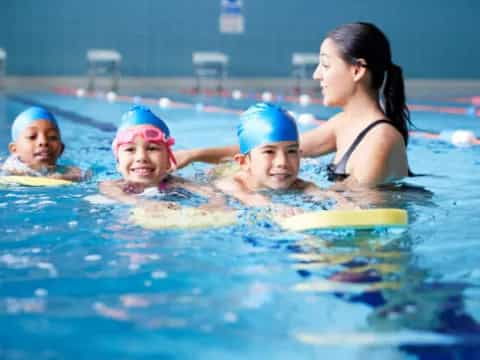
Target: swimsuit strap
[
  {"x": 163, "y": 185},
  {"x": 134, "y": 188},
  {"x": 341, "y": 166}
]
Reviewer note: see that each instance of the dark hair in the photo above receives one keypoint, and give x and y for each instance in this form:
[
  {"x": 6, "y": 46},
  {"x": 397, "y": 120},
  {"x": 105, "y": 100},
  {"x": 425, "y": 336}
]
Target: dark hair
[{"x": 366, "y": 41}]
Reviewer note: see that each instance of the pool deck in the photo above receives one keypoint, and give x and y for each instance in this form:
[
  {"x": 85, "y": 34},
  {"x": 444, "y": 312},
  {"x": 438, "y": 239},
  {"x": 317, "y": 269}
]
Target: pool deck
[{"x": 417, "y": 88}]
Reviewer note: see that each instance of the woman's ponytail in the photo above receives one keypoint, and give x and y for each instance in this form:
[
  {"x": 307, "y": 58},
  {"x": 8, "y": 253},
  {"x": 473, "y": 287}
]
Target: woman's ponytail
[{"x": 394, "y": 100}]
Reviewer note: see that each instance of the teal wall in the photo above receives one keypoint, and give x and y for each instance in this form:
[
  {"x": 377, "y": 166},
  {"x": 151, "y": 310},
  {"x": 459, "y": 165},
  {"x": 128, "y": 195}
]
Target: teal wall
[{"x": 430, "y": 38}]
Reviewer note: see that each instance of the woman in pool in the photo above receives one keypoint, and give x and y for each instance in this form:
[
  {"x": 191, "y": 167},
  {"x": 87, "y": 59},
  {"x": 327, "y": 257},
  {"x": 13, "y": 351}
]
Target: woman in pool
[{"x": 370, "y": 134}]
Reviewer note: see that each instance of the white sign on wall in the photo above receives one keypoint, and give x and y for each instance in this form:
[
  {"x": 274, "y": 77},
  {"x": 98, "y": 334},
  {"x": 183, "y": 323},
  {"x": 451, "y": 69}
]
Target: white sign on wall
[{"x": 231, "y": 17}]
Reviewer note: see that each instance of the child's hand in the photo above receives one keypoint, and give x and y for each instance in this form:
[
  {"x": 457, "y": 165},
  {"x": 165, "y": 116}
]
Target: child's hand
[{"x": 73, "y": 174}]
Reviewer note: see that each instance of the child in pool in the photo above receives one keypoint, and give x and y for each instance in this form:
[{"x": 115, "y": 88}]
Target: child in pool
[
  {"x": 36, "y": 146},
  {"x": 269, "y": 159},
  {"x": 142, "y": 148}
]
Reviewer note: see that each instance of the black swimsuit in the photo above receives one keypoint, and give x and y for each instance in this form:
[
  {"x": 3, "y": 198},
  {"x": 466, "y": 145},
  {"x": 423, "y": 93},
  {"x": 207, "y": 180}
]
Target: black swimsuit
[{"x": 336, "y": 172}]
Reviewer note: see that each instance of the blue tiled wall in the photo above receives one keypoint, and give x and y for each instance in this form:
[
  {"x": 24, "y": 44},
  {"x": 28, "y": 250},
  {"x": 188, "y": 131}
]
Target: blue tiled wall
[{"x": 430, "y": 38}]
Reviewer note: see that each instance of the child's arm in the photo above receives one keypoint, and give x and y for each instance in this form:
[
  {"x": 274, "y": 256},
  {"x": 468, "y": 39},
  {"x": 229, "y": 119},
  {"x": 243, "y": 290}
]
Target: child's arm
[
  {"x": 216, "y": 200},
  {"x": 208, "y": 155},
  {"x": 342, "y": 203},
  {"x": 234, "y": 187},
  {"x": 114, "y": 190},
  {"x": 72, "y": 173}
]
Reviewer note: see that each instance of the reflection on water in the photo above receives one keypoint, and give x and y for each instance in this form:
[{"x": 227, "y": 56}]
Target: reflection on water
[{"x": 409, "y": 309}]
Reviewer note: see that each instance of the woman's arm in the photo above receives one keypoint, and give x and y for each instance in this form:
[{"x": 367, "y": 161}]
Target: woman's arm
[
  {"x": 319, "y": 141},
  {"x": 208, "y": 155}
]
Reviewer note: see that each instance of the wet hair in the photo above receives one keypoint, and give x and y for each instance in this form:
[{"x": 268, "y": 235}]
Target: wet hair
[{"x": 365, "y": 41}]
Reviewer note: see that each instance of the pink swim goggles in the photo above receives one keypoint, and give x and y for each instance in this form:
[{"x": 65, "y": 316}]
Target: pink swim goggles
[{"x": 149, "y": 133}]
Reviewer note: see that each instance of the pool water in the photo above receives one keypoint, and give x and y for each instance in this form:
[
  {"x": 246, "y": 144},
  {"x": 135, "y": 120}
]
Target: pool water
[{"x": 78, "y": 280}]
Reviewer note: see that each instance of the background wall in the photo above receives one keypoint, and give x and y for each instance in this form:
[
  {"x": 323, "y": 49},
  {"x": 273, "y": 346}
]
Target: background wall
[{"x": 430, "y": 38}]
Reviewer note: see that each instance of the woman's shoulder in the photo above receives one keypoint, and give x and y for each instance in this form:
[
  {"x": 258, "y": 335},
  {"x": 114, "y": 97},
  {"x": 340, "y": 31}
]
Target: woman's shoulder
[
  {"x": 387, "y": 132},
  {"x": 339, "y": 117}
]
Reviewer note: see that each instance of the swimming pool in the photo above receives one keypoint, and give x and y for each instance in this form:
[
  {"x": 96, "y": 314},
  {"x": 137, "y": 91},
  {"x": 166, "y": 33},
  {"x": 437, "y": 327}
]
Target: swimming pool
[{"x": 79, "y": 281}]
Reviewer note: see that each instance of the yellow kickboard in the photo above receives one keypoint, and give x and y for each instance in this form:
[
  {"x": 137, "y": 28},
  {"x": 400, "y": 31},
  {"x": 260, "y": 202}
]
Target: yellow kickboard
[
  {"x": 358, "y": 219},
  {"x": 182, "y": 218},
  {"x": 32, "y": 181}
]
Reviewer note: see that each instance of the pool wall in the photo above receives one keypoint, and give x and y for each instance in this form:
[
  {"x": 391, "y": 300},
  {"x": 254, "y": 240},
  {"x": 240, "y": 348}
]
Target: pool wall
[{"x": 157, "y": 38}]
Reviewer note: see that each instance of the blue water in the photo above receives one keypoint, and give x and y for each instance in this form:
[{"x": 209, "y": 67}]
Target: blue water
[{"x": 78, "y": 280}]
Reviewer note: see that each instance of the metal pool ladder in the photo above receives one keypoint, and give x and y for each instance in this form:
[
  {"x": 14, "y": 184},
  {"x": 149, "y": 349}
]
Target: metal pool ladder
[
  {"x": 303, "y": 65},
  {"x": 210, "y": 64},
  {"x": 105, "y": 62}
]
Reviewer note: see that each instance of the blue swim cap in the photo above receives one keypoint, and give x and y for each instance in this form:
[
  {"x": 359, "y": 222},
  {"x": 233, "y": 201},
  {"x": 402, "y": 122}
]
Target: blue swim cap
[
  {"x": 265, "y": 123},
  {"x": 142, "y": 115},
  {"x": 27, "y": 117}
]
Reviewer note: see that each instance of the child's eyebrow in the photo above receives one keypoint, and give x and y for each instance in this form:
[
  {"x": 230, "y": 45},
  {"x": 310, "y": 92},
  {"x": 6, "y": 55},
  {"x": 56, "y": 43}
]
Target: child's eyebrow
[
  {"x": 267, "y": 147},
  {"x": 35, "y": 128}
]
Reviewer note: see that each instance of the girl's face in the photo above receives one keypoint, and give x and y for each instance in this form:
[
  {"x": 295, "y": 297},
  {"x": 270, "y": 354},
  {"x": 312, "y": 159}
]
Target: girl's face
[
  {"x": 274, "y": 166},
  {"x": 335, "y": 75},
  {"x": 143, "y": 162},
  {"x": 38, "y": 145}
]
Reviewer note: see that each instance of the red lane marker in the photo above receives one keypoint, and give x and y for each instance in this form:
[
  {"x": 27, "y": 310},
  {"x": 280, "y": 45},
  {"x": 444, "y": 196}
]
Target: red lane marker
[{"x": 218, "y": 109}]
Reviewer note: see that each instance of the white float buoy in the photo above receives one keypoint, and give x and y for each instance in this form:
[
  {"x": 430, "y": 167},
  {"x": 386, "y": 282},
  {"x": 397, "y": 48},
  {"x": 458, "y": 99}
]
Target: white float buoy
[
  {"x": 80, "y": 92},
  {"x": 237, "y": 94},
  {"x": 267, "y": 96},
  {"x": 199, "y": 106},
  {"x": 460, "y": 138},
  {"x": 463, "y": 138},
  {"x": 111, "y": 96},
  {"x": 304, "y": 99},
  {"x": 137, "y": 99},
  {"x": 164, "y": 102}
]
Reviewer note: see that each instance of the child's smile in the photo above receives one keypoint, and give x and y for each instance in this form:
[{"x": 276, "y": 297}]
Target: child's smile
[{"x": 143, "y": 162}]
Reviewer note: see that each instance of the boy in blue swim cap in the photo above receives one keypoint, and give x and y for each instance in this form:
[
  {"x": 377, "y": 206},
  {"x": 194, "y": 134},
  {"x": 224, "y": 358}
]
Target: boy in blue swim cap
[
  {"x": 269, "y": 157},
  {"x": 142, "y": 148},
  {"x": 36, "y": 146}
]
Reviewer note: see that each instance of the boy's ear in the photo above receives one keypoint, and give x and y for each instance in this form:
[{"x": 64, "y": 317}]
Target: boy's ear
[
  {"x": 240, "y": 159},
  {"x": 12, "y": 147}
]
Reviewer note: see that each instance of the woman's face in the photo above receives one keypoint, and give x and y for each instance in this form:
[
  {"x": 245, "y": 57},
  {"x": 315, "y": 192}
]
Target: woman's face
[{"x": 335, "y": 75}]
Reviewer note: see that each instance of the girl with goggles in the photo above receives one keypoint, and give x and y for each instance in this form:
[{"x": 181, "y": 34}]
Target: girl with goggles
[{"x": 142, "y": 148}]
